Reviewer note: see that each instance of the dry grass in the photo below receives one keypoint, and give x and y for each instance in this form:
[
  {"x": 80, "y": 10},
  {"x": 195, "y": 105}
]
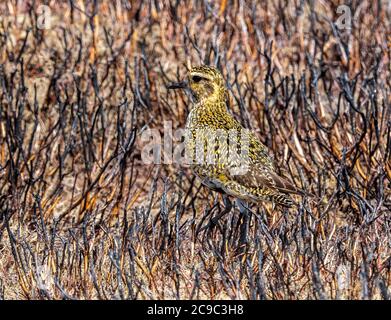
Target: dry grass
[{"x": 82, "y": 217}]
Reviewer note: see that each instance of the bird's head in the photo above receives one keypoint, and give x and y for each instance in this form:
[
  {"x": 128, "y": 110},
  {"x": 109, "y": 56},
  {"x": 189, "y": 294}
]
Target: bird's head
[{"x": 204, "y": 82}]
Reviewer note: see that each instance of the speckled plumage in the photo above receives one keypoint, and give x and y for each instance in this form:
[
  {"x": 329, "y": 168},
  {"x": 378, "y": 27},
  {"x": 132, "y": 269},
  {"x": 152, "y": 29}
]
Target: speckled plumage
[{"x": 208, "y": 126}]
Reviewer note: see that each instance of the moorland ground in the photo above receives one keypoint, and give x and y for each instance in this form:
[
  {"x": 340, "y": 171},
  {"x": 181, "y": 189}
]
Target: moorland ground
[{"x": 81, "y": 215}]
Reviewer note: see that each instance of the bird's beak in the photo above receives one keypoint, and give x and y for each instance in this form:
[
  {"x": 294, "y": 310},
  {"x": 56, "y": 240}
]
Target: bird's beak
[{"x": 178, "y": 85}]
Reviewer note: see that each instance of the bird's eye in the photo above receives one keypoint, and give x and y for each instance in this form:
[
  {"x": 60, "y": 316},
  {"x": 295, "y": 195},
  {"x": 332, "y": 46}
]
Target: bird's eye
[{"x": 196, "y": 78}]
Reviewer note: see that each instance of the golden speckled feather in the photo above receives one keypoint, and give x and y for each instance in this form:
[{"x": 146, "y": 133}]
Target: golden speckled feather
[{"x": 210, "y": 125}]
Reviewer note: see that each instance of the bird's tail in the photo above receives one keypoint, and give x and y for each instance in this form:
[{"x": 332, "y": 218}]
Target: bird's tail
[{"x": 282, "y": 199}]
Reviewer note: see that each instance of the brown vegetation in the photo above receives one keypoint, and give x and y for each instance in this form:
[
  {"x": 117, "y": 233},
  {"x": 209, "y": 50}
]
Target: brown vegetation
[{"x": 82, "y": 217}]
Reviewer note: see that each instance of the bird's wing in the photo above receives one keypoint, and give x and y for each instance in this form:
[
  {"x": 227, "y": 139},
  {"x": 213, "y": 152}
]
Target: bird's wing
[
  {"x": 254, "y": 149},
  {"x": 255, "y": 177},
  {"x": 258, "y": 152},
  {"x": 260, "y": 171}
]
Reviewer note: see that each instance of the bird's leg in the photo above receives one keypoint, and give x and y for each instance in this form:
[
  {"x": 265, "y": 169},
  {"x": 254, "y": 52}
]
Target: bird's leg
[
  {"x": 227, "y": 209},
  {"x": 245, "y": 218}
]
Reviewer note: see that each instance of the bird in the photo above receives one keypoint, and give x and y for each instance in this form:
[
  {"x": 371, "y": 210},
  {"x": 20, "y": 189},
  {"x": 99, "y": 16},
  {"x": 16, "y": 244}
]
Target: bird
[{"x": 227, "y": 157}]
